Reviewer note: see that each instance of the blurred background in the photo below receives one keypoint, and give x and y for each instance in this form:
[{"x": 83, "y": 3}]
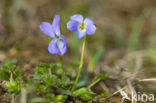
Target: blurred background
[{"x": 125, "y": 40}]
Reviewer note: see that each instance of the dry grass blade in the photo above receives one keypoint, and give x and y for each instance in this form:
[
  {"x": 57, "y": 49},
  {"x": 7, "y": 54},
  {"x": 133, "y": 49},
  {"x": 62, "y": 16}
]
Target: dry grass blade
[
  {"x": 148, "y": 79},
  {"x": 132, "y": 90}
]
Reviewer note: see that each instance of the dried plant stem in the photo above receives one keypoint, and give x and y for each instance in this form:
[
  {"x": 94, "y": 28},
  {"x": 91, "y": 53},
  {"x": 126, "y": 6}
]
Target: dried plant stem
[
  {"x": 23, "y": 98},
  {"x": 148, "y": 79}
]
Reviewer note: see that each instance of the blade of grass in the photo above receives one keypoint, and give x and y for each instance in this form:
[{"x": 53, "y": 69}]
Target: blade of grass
[{"x": 134, "y": 36}]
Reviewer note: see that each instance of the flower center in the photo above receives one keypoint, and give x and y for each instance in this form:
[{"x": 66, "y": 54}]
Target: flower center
[
  {"x": 82, "y": 26},
  {"x": 58, "y": 38}
]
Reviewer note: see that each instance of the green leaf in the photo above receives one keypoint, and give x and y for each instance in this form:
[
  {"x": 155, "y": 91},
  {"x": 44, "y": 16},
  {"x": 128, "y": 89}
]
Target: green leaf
[
  {"x": 65, "y": 80},
  {"x": 152, "y": 53},
  {"x": 40, "y": 70},
  {"x": 4, "y": 75},
  {"x": 44, "y": 65},
  {"x": 41, "y": 88},
  {"x": 9, "y": 67},
  {"x": 37, "y": 77},
  {"x": 12, "y": 87},
  {"x": 50, "y": 79},
  {"x": 97, "y": 79},
  {"x": 60, "y": 97},
  {"x": 75, "y": 63},
  {"x": 62, "y": 91},
  {"x": 38, "y": 100},
  {"x": 50, "y": 96},
  {"x": 84, "y": 94},
  {"x": 95, "y": 58},
  {"x": 80, "y": 92},
  {"x": 81, "y": 83},
  {"x": 55, "y": 66},
  {"x": 11, "y": 61},
  {"x": 102, "y": 76}
]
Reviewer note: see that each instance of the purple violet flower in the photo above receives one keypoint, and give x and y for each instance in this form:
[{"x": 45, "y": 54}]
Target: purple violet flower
[
  {"x": 81, "y": 26},
  {"x": 58, "y": 45}
]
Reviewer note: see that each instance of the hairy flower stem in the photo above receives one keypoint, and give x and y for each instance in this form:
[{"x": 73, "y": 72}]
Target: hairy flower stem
[
  {"x": 62, "y": 66},
  {"x": 81, "y": 64}
]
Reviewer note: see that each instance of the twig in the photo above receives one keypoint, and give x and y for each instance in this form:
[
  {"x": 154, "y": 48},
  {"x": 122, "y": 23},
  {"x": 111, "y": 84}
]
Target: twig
[
  {"x": 23, "y": 98},
  {"x": 131, "y": 89},
  {"x": 148, "y": 79}
]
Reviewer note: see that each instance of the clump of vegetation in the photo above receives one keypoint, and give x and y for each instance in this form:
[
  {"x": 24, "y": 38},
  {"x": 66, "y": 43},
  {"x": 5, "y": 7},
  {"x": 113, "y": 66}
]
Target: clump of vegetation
[{"x": 46, "y": 85}]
